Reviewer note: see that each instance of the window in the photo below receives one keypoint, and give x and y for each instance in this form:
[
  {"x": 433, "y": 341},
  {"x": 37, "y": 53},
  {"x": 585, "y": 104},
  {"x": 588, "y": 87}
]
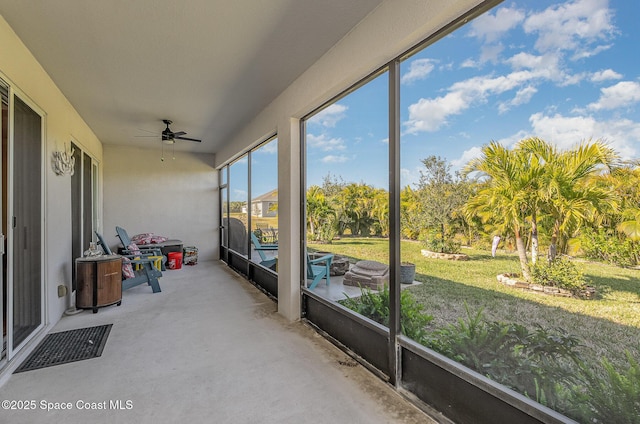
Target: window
[
  {"x": 249, "y": 202},
  {"x": 264, "y": 204},
  {"x": 238, "y": 197},
  {"x": 508, "y": 193},
  {"x": 347, "y": 197},
  {"x": 493, "y": 118}
]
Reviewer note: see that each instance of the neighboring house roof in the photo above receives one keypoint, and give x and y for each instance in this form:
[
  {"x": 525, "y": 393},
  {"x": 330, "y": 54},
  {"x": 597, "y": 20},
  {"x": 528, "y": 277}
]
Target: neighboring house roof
[{"x": 271, "y": 196}]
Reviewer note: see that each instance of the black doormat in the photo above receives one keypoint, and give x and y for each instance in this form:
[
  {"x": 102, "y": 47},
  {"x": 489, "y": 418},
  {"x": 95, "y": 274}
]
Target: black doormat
[{"x": 67, "y": 346}]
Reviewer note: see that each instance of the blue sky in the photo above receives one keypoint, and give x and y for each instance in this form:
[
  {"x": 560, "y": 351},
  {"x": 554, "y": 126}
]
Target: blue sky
[
  {"x": 264, "y": 174},
  {"x": 562, "y": 71}
]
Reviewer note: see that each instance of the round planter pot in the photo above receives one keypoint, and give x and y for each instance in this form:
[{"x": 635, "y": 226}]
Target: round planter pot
[{"x": 407, "y": 273}]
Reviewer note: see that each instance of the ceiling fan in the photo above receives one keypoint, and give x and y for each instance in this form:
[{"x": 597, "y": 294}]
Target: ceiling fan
[{"x": 170, "y": 137}]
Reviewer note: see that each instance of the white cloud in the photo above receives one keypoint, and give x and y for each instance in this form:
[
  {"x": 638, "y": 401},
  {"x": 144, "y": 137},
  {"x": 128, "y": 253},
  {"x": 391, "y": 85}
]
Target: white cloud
[
  {"x": 467, "y": 155},
  {"x": 621, "y": 94},
  {"x": 330, "y": 116},
  {"x": 469, "y": 63},
  {"x": 585, "y": 53},
  {"x": 572, "y": 26},
  {"x": 523, "y": 96},
  {"x": 572, "y": 79},
  {"x": 418, "y": 69},
  {"x": 334, "y": 159},
  {"x": 489, "y": 27},
  {"x": 325, "y": 143},
  {"x": 513, "y": 139},
  {"x": 545, "y": 67},
  {"x": 431, "y": 114},
  {"x": 490, "y": 52},
  {"x": 566, "y": 132},
  {"x": 607, "y": 74},
  {"x": 269, "y": 148}
]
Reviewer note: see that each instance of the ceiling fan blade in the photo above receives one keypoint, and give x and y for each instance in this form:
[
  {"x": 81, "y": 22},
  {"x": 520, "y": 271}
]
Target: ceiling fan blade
[
  {"x": 147, "y": 131},
  {"x": 188, "y": 139},
  {"x": 179, "y": 133},
  {"x": 145, "y": 136}
]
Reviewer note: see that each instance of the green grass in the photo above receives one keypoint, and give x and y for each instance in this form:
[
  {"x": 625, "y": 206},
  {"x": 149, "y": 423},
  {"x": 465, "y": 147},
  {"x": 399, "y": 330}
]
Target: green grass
[{"x": 606, "y": 326}]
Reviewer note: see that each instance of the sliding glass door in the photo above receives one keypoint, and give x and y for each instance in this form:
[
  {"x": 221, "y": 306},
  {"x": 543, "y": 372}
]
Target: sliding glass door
[
  {"x": 21, "y": 236},
  {"x": 84, "y": 197},
  {"x": 25, "y": 277}
]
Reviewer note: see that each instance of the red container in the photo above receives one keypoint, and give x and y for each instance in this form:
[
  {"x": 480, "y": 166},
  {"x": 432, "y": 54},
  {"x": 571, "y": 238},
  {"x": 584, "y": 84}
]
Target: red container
[{"x": 174, "y": 260}]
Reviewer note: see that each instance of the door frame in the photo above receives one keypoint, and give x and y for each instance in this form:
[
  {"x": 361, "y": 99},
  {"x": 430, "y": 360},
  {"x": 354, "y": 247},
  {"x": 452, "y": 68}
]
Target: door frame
[
  {"x": 13, "y": 92},
  {"x": 96, "y": 193}
]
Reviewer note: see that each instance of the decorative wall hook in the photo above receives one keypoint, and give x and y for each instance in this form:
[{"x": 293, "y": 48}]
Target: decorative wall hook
[{"x": 63, "y": 163}]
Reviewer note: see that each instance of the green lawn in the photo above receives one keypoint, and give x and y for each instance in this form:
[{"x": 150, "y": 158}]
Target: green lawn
[{"x": 606, "y": 326}]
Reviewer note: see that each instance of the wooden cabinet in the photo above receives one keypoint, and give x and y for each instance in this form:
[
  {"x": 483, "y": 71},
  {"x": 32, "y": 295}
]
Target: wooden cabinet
[{"x": 98, "y": 281}]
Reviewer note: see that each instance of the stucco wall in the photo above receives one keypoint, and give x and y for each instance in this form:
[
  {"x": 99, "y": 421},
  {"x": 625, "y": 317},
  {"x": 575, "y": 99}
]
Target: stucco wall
[
  {"x": 62, "y": 123},
  {"x": 177, "y": 198}
]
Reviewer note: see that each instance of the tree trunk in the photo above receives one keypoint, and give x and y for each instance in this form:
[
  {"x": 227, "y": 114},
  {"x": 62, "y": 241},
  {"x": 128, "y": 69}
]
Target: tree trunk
[
  {"x": 534, "y": 239},
  {"x": 553, "y": 245},
  {"x": 522, "y": 255},
  {"x": 312, "y": 228}
]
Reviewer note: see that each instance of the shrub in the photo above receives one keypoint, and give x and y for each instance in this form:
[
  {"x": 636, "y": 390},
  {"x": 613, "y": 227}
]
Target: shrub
[
  {"x": 560, "y": 272},
  {"x": 434, "y": 243},
  {"x": 536, "y": 363},
  {"x": 608, "y": 248},
  {"x": 610, "y": 396},
  {"x": 375, "y": 306}
]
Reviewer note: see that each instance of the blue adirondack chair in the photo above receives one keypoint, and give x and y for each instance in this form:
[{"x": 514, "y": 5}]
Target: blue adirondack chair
[
  {"x": 126, "y": 242},
  {"x": 147, "y": 273},
  {"x": 319, "y": 268},
  {"x": 260, "y": 248}
]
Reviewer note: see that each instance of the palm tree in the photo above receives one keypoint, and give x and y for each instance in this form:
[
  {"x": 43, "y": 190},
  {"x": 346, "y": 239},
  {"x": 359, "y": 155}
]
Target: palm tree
[
  {"x": 567, "y": 190},
  {"x": 631, "y": 227},
  {"x": 505, "y": 193},
  {"x": 411, "y": 213},
  {"x": 380, "y": 210},
  {"x": 358, "y": 203},
  {"x": 318, "y": 209}
]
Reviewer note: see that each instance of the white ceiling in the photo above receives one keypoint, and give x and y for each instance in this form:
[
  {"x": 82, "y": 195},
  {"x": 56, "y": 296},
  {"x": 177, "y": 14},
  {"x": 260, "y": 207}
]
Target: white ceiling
[{"x": 208, "y": 65}]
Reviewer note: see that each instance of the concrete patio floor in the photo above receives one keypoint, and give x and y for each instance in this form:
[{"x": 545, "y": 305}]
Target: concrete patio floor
[{"x": 210, "y": 348}]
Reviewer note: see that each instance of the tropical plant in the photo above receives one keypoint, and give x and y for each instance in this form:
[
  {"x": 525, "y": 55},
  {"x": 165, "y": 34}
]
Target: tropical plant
[
  {"x": 536, "y": 363},
  {"x": 433, "y": 242},
  {"x": 567, "y": 189},
  {"x": 608, "y": 246},
  {"x": 504, "y": 196},
  {"x": 380, "y": 212},
  {"x": 610, "y": 396},
  {"x": 535, "y": 182},
  {"x": 320, "y": 215},
  {"x": 411, "y": 214},
  {"x": 358, "y": 203},
  {"x": 375, "y": 306},
  {"x": 631, "y": 227},
  {"x": 561, "y": 273}
]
